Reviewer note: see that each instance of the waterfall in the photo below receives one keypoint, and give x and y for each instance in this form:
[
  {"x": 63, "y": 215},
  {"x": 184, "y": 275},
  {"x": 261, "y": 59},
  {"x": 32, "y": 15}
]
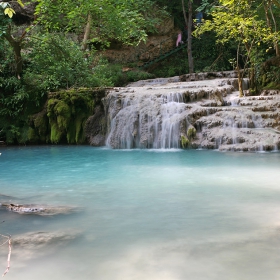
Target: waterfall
[
  {"x": 148, "y": 120},
  {"x": 160, "y": 114}
]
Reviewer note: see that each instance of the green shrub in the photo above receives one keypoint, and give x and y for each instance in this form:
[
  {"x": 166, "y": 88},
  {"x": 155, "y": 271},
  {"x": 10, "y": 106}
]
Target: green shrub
[
  {"x": 57, "y": 62},
  {"x": 113, "y": 74}
]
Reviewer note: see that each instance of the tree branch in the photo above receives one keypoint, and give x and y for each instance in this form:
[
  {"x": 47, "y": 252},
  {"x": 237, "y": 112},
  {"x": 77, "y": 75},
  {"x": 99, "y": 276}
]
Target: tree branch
[{"x": 9, "y": 240}]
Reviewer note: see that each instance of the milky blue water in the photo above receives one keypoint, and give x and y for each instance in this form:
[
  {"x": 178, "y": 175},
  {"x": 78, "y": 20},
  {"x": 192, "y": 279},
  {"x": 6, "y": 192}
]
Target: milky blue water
[{"x": 144, "y": 214}]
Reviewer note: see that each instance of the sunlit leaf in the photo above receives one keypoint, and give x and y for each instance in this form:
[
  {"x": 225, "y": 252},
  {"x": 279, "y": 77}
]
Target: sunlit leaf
[
  {"x": 9, "y": 11},
  {"x": 20, "y": 3}
]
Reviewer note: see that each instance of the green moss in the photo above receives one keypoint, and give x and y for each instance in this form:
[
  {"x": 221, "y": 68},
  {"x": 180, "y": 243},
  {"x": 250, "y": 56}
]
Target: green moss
[
  {"x": 56, "y": 133},
  {"x": 78, "y": 128},
  {"x": 41, "y": 123},
  {"x": 184, "y": 142},
  {"x": 32, "y": 135},
  {"x": 70, "y": 136},
  {"x": 191, "y": 133},
  {"x": 64, "y": 115}
]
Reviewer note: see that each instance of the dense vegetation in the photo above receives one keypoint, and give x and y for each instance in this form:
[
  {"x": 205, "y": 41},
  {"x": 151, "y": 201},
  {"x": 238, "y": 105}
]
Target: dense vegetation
[{"x": 50, "y": 53}]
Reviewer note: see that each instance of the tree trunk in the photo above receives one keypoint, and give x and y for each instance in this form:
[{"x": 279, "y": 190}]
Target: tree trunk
[
  {"x": 276, "y": 46},
  {"x": 240, "y": 80},
  {"x": 87, "y": 32},
  {"x": 190, "y": 23},
  {"x": 184, "y": 13},
  {"x": 267, "y": 9},
  {"x": 16, "y": 45},
  {"x": 239, "y": 75}
]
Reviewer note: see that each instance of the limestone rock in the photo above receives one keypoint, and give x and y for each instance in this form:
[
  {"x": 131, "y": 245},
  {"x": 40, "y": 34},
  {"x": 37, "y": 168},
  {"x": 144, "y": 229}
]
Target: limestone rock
[{"x": 157, "y": 113}]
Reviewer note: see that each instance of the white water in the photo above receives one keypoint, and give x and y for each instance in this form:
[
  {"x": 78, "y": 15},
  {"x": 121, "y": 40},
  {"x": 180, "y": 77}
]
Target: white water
[
  {"x": 148, "y": 121},
  {"x": 146, "y": 214}
]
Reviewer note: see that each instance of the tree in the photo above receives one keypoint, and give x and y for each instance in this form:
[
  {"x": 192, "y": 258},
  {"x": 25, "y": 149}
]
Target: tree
[
  {"x": 268, "y": 6},
  {"x": 6, "y": 33},
  {"x": 238, "y": 21},
  {"x": 101, "y": 20},
  {"x": 189, "y": 24}
]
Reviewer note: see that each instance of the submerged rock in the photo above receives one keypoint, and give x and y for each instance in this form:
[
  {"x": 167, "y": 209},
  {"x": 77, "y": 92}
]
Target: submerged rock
[
  {"x": 41, "y": 239},
  {"x": 44, "y": 210},
  {"x": 32, "y": 245}
]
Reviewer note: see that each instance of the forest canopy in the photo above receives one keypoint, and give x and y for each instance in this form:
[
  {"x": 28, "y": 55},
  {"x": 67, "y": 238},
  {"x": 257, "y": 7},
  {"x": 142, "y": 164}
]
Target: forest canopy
[{"x": 57, "y": 47}]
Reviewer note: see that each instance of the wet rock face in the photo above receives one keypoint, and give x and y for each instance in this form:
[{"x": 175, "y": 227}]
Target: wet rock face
[
  {"x": 158, "y": 114},
  {"x": 95, "y": 128}
]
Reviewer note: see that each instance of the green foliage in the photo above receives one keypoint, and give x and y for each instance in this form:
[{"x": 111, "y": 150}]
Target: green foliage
[
  {"x": 191, "y": 133},
  {"x": 273, "y": 76},
  {"x": 176, "y": 64},
  {"x": 40, "y": 130},
  {"x": 126, "y": 21},
  {"x": 184, "y": 142},
  {"x": 239, "y": 21},
  {"x": 4, "y": 20},
  {"x": 211, "y": 56},
  {"x": 7, "y": 65},
  {"x": 207, "y": 56},
  {"x": 113, "y": 75},
  {"x": 136, "y": 75},
  {"x": 57, "y": 62}
]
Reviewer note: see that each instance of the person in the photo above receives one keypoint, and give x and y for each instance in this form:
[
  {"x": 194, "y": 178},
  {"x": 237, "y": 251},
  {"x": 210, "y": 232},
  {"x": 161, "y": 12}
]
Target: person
[{"x": 179, "y": 39}]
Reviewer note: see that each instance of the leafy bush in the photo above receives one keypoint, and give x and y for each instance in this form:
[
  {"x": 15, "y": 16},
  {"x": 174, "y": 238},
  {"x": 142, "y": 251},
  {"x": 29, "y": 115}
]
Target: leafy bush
[
  {"x": 113, "y": 74},
  {"x": 57, "y": 62},
  {"x": 207, "y": 56},
  {"x": 7, "y": 65}
]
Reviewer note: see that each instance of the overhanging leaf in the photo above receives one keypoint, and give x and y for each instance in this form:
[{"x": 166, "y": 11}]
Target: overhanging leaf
[{"x": 9, "y": 12}]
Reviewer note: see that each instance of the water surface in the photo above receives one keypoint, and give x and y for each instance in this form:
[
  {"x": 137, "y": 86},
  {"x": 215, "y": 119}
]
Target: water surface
[{"x": 145, "y": 214}]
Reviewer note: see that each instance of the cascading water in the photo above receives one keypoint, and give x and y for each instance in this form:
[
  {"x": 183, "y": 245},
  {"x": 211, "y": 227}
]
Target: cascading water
[
  {"x": 191, "y": 114},
  {"x": 147, "y": 121},
  {"x": 239, "y": 118}
]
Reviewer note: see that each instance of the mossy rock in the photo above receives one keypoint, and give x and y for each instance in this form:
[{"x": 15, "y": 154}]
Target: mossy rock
[
  {"x": 185, "y": 142},
  {"x": 63, "y": 117},
  {"x": 32, "y": 135},
  {"x": 56, "y": 133},
  {"x": 191, "y": 133},
  {"x": 41, "y": 123}
]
